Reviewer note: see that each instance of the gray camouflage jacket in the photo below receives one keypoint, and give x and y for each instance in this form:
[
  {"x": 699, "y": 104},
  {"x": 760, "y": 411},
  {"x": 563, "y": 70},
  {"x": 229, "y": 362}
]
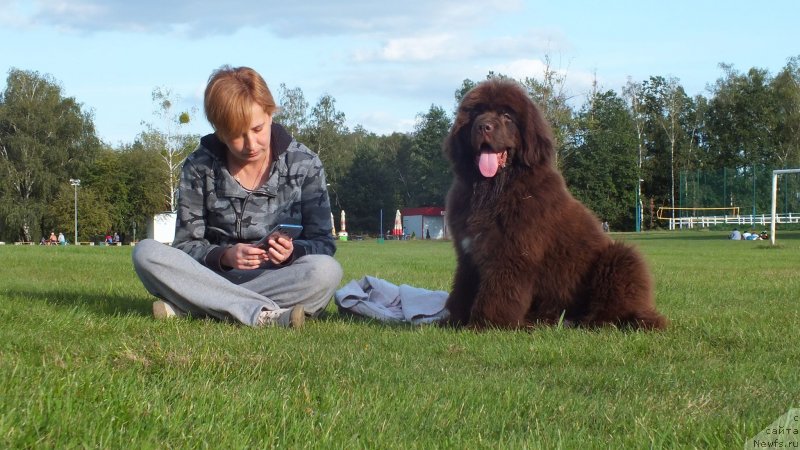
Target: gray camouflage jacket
[{"x": 215, "y": 212}]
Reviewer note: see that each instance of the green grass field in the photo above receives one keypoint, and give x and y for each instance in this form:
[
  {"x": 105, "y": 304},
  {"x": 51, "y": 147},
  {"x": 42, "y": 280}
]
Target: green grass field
[{"x": 83, "y": 364}]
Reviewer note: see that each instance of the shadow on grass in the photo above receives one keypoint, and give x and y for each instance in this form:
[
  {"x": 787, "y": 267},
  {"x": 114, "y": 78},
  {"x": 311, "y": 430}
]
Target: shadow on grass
[
  {"x": 101, "y": 304},
  {"x": 118, "y": 305},
  {"x": 344, "y": 316},
  {"x": 121, "y": 305}
]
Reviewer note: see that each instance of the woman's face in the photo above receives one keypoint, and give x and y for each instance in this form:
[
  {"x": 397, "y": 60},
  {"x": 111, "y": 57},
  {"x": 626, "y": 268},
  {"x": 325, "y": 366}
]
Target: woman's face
[{"x": 253, "y": 143}]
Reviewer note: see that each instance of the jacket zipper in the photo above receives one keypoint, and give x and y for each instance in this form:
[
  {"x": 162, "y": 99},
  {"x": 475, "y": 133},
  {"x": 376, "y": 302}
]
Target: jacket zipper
[{"x": 239, "y": 215}]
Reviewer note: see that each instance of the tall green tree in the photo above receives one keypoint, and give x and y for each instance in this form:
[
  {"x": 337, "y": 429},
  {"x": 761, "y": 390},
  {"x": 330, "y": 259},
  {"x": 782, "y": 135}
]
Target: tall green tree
[
  {"x": 602, "y": 171},
  {"x": 94, "y": 213},
  {"x": 398, "y": 147},
  {"x": 370, "y": 186},
  {"x": 293, "y": 111},
  {"x": 429, "y": 169},
  {"x": 667, "y": 107},
  {"x": 45, "y": 139},
  {"x": 742, "y": 118},
  {"x": 459, "y": 94},
  {"x": 786, "y": 103},
  {"x": 550, "y": 93},
  {"x": 741, "y": 125},
  {"x": 140, "y": 167},
  {"x": 325, "y": 135},
  {"x": 108, "y": 179}
]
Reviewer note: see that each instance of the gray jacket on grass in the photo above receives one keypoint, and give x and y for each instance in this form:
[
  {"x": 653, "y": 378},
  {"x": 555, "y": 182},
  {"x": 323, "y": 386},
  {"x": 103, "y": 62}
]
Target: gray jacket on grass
[{"x": 216, "y": 212}]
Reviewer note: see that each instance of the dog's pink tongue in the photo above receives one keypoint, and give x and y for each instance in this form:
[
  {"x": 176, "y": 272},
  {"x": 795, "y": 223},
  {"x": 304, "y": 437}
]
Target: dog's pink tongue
[{"x": 488, "y": 164}]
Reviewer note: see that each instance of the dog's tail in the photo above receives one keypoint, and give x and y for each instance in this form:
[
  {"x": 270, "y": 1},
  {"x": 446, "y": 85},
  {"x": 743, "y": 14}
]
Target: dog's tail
[{"x": 648, "y": 320}]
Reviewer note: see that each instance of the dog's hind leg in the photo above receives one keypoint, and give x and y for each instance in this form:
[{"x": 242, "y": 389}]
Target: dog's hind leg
[{"x": 621, "y": 291}]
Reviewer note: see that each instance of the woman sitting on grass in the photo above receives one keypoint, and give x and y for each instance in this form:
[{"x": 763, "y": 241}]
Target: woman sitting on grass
[{"x": 247, "y": 177}]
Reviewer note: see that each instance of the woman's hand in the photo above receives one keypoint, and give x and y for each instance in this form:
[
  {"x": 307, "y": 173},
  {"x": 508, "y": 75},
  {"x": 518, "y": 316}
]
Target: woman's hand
[
  {"x": 244, "y": 257},
  {"x": 280, "y": 250},
  {"x": 248, "y": 256}
]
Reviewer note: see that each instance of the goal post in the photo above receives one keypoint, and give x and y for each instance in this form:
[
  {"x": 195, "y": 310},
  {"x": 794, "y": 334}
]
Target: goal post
[{"x": 773, "y": 209}]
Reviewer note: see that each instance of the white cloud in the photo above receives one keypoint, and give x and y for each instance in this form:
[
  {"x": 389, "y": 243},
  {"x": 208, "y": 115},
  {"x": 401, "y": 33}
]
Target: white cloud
[
  {"x": 462, "y": 45},
  {"x": 14, "y": 13},
  {"x": 76, "y": 8},
  {"x": 532, "y": 42},
  {"x": 291, "y": 19},
  {"x": 384, "y": 122},
  {"x": 414, "y": 49},
  {"x": 577, "y": 83},
  {"x": 521, "y": 69}
]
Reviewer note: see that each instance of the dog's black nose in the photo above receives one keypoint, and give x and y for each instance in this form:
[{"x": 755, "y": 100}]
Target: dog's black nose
[{"x": 485, "y": 128}]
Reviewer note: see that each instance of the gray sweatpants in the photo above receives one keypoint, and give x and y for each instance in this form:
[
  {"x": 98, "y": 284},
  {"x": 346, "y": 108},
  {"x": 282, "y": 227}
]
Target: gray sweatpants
[{"x": 173, "y": 275}]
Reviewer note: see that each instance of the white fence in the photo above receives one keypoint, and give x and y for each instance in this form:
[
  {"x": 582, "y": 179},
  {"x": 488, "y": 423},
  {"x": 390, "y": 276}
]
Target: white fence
[{"x": 706, "y": 221}]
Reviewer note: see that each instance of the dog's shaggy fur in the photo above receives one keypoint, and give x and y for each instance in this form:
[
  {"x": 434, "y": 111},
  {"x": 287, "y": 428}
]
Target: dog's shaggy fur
[{"x": 528, "y": 252}]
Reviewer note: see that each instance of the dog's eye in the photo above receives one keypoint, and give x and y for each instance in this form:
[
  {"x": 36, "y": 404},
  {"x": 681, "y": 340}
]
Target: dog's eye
[{"x": 509, "y": 117}]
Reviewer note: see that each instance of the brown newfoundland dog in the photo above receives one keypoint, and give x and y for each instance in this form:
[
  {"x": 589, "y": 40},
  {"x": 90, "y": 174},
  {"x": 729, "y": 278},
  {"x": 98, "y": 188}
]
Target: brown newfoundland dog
[{"x": 528, "y": 252}]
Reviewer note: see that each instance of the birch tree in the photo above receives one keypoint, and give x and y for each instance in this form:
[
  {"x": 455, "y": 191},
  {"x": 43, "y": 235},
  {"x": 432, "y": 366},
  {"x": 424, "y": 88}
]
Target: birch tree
[
  {"x": 632, "y": 92},
  {"x": 293, "y": 111},
  {"x": 175, "y": 141},
  {"x": 667, "y": 101},
  {"x": 550, "y": 93}
]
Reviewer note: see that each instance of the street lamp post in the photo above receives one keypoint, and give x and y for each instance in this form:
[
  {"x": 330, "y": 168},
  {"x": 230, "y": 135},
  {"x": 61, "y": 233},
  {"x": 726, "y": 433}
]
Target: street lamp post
[
  {"x": 639, "y": 205},
  {"x": 76, "y": 182}
]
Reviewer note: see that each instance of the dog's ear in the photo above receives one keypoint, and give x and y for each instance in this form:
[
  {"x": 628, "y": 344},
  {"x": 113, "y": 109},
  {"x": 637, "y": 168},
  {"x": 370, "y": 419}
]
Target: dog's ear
[
  {"x": 457, "y": 148},
  {"x": 457, "y": 145},
  {"x": 537, "y": 136}
]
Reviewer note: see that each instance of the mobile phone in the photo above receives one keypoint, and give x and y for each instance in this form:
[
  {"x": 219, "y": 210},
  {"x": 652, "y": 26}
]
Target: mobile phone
[{"x": 286, "y": 230}]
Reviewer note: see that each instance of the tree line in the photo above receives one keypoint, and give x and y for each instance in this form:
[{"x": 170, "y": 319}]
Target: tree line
[{"x": 617, "y": 150}]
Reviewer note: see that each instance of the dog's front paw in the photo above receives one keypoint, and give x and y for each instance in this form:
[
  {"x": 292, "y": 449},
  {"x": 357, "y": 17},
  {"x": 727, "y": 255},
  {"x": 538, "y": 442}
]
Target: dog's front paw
[
  {"x": 478, "y": 326},
  {"x": 450, "y": 321}
]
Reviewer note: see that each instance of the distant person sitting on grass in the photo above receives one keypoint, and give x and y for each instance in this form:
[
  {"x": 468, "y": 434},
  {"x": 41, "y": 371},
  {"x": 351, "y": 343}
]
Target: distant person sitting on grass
[
  {"x": 242, "y": 180},
  {"x": 735, "y": 235},
  {"x": 52, "y": 240},
  {"x": 61, "y": 239}
]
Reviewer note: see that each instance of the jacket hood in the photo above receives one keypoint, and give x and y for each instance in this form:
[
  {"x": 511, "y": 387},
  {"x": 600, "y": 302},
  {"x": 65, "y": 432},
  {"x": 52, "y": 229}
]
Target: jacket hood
[{"x": 279, "y": 142}]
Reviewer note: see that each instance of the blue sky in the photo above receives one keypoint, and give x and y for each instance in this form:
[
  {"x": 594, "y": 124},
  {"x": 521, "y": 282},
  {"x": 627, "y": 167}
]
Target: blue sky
[{"x": 384, "y": 63}]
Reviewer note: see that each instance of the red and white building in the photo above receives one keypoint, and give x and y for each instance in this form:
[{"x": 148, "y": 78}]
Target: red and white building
[{"x": 421, "y": 221}]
